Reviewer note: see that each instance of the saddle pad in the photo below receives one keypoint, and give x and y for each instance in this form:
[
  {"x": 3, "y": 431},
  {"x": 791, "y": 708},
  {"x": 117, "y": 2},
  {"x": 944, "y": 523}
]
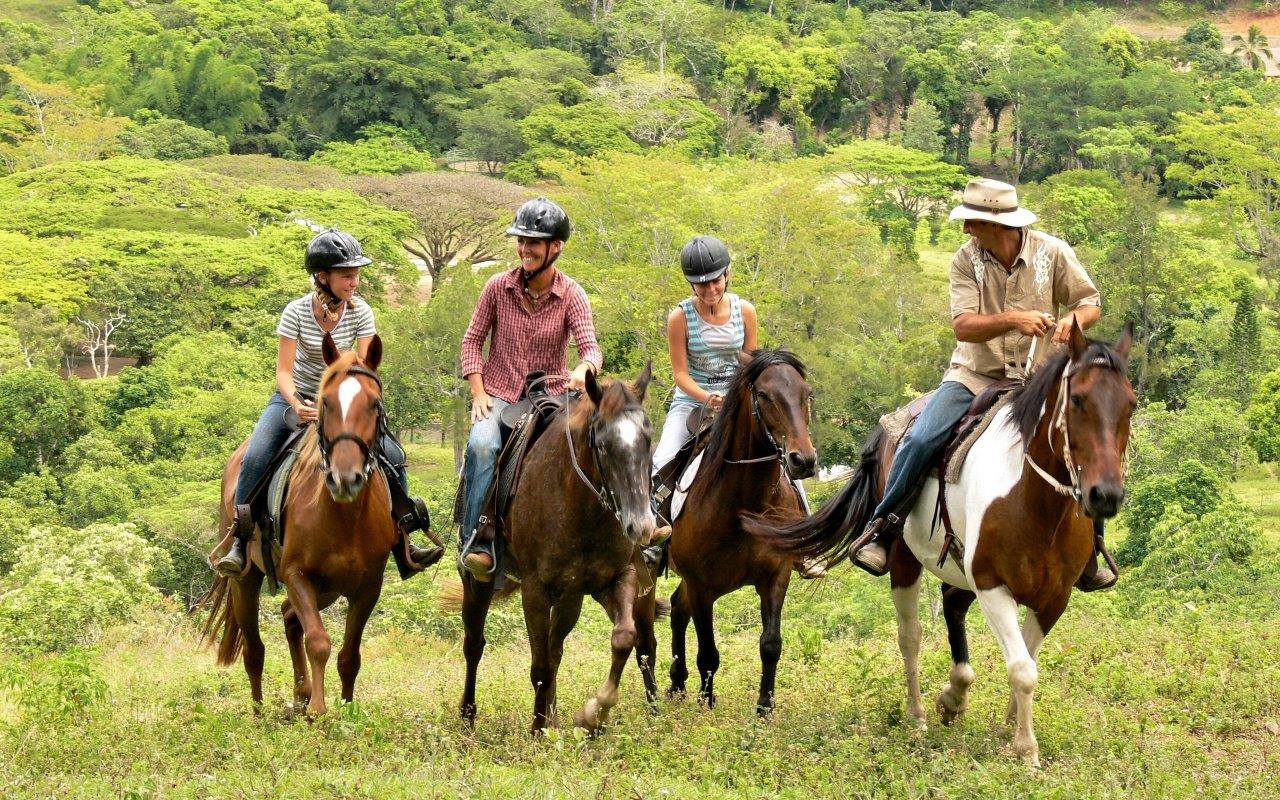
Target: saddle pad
[
  {"x": 279, "y": 486},
  {"x": 682, "y": 486},
  {"x": 961, "y": 448}
]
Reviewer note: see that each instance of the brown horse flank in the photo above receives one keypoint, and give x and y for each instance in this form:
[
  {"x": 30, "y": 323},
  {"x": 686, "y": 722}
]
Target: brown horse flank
[
  {"x": 759, "y": 440},
  {"x": 338, "y": 533},
  {"x": 1052, "y": 459},
  {"x": 581, "y": 504}
]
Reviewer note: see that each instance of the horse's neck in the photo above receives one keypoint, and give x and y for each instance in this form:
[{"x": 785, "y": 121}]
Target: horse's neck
[
  {"x": 1042, "y": 507},
  {"x": 742, "y": 483}
]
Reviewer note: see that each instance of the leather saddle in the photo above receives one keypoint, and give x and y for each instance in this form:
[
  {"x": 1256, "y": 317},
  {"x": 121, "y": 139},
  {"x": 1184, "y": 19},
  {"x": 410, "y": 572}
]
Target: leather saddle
[
  {"x": 665, "y": 480},
  {"x": 520, "y": 425}
]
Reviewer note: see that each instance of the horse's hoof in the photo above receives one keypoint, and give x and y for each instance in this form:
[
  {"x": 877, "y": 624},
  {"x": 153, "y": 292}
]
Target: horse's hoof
[
  {"x": 764, "y": 711},
  {"x": 676, "y": 693},
  {"x": 1031, "y": 758},
  {"x": 706, "y": 699},
  {"x": 949, "y": 708},
  {"x": 590, "y": 717}
]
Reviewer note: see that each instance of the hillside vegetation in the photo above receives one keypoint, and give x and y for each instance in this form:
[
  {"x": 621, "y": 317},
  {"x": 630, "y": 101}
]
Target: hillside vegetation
[{"x": 163, "y": 164}]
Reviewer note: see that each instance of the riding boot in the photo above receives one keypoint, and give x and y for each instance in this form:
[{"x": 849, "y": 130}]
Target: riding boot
[
  {"x": 1098, "y": 577},
  {"x": 654, "y": 552},
  {"x": 411, "y": 515},
  {"x": 478, "y": 561},
  {"x": 871, "y": 550},
  {"x": 232, "y": 564}
]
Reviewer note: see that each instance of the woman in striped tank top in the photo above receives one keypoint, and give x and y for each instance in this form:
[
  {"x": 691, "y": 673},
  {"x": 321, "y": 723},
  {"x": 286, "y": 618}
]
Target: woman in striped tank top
[{"x": 334, "y": 259}]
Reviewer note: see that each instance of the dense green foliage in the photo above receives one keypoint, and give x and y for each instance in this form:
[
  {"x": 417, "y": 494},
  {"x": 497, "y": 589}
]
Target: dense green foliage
[{"x": 163, "y": 162}]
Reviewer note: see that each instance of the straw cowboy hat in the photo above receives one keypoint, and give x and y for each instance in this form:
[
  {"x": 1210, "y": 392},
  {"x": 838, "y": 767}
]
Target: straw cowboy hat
[{"x": 992, "y": 201}]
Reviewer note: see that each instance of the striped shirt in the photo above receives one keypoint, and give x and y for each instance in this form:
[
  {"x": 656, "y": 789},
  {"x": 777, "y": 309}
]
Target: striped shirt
[
  {"x": 521, "y": 342},
  {"x": 712, "y": 350},
  {"x": 298, "y": 322}
]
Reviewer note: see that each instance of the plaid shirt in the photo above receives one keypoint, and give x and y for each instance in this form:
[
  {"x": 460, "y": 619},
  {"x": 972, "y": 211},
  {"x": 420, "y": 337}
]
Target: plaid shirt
[{"x": 522, "y": 342}]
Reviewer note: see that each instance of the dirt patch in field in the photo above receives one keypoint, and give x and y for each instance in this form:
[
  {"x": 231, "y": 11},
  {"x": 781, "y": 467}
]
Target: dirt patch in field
[{"x": 1229, "y": 22}]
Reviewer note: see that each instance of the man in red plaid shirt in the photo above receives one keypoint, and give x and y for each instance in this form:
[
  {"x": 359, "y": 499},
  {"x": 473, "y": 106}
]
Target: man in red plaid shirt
[{"x": 528, "y": 314}]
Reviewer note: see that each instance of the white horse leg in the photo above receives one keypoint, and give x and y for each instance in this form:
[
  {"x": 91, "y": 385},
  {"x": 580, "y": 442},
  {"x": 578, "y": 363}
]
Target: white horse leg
[
  {"x": 906, "y": 602},
  {"x": 1033, "y": 637},
  {"x": 1001, "y": 612}
]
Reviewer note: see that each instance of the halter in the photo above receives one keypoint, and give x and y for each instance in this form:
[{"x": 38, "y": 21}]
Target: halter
[
  {"x": 369, "y": 452},
  {"x": 603, "y": 494},
  {"x": 1060, "y": 423}
]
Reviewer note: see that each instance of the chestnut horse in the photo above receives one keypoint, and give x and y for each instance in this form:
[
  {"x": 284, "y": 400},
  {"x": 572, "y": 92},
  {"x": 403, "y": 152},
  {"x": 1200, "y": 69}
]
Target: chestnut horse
[
  {"x": 338, "y": 534},
  {"x": 1053, "y": 458},
  {"x": 757, "y": 444},
  {"x": 580, "y": 506}
]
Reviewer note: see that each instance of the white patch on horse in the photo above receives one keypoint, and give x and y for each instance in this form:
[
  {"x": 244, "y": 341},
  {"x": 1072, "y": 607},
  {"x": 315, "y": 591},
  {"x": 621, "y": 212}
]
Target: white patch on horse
[
  {"x": 627, "y": 431},
  {"x": 347, "y": 391},
  {"x": 991, "y": 470}
]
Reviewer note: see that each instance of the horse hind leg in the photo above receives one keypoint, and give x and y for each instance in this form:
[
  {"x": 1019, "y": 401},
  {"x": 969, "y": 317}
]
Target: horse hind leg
[
  {"x": 537, "y": 621},
  {"x": 358, "y": 612},
  {"x": 904, "y": 580},
  {"x": 708, "y": 654},
  {"x": 476, "y": 598},
  {"x": 244, "y": 605},
  {"x": 297, "y": 655},
  {"x": 620, "y": 604},
  {"x": 680, "y": 615},
  {"x": 954, "y": 698},
  {"x": 1001, "y": 612},
  {"x": 772, "y": 596}
]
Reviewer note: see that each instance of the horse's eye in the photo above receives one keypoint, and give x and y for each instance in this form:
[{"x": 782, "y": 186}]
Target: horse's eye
[{"x": 1077, "y": 401}]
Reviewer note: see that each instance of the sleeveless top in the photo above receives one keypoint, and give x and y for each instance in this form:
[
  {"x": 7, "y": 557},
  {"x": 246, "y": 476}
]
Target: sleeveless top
[{"x": 712, "y": 350}]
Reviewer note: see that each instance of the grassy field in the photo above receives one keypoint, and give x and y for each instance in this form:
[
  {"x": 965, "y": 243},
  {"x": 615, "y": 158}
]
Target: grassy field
[{"x": 1178, "y": 702}]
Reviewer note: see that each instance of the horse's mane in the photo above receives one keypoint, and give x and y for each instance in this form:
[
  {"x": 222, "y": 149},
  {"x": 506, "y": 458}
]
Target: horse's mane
[
  {"x": 309, "y": 455},
  {"x": 1029, "y": 402},
  {"x": 731, "y": 413}
]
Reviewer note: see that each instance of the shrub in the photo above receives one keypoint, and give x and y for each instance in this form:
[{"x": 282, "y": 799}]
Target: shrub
[
  {"x": 55, "y": 689},
  {"x": 97, "y": 494},
  {"x": 1192, "y": 487},
  {"x": 170, "y": 140},
  {"x": 1206, "y": 430},
  {"x": 70, "y": 584},
  {"x": 380, "y": 150},
  {"x": 1264, "y": 418}
]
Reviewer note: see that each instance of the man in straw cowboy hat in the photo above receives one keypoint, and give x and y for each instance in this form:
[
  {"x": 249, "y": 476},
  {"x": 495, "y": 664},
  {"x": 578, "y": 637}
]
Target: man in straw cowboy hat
[{"x": 1007, "y": 283}]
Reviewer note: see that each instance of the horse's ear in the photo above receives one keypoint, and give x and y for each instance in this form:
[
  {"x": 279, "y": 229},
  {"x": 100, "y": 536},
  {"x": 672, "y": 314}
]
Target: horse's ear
[
  {"x": 642, "y": 381},
  {"x": 1078, "y": 343},
  {"x": 745, "y": 358},
  {"x": 593, "y": 387},
  {"x": 373, "y": 356},
  {"x": 329, "y": 350},
  {"x": 1125, "y": 342}
]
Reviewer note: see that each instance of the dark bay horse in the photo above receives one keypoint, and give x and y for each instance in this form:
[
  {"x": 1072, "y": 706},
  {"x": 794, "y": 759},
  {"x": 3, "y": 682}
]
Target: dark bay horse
[
  {"x": 758, "y": 443},
  {"x": 1051, "y": 463},
  {"x": 581, "y": 504},
  {"x": 338, "y": 534}
]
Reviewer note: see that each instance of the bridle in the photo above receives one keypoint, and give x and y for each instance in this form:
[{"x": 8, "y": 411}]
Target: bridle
[
  {"x": 604, "y": 495},
  {"x": 778, "y": 453},
  {"x": 370, "y": 452},
  {"x": 1059, "y": 423}
]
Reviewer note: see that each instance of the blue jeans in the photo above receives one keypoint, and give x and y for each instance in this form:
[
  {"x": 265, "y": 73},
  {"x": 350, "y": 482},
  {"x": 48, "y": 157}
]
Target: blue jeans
[
  {"x": 269, "y": 434},
  {"x": 483, "y": 446},
  {"x": 922, "y": 443}
]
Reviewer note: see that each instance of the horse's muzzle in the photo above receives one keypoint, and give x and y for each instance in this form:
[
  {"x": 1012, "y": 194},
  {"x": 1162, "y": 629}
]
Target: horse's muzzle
[
  {"x": 800, "y": 465},
  {"x": 1102, "y": 500},
  {"x": 344, "y": 486}
]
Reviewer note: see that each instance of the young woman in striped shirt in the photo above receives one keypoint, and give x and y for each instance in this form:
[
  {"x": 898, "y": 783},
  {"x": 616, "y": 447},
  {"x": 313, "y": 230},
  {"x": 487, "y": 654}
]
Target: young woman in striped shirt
[{"x": 334, "y": 259}]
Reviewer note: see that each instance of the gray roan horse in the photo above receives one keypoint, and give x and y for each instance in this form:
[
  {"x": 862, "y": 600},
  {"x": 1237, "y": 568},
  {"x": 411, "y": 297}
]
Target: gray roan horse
[{"x": 580, "y": 506}]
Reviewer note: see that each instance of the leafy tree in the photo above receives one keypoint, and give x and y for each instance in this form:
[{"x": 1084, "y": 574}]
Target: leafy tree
[
  {"x": 170, "y": 140},
  {"x": 1264, "y": 418},
  {"x": 656, "y": 29},
  {"x": 45, "y": 414},
  {"x": 1205, "y": 431},
  {"x": 1191, "y": 486},
  {"x": 1197, "y": 556},
  {"x": 43, "y": 123},
  {"x": 921, "y": 129},
  {"x": 1252, "y": 48},
  {"x": 378, "y": 151},
  {"x": 559, "y": 133},
  {"x": 489, "y": 136},
  {"x": 43, "y": 334},
  {"x": 1122, "y": 150},
  {"x": 1244, "y": 346}
]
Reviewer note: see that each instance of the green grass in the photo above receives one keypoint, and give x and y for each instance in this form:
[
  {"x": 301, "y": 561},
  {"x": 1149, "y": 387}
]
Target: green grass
[
  {"x": 1172, "y": 704},
  {"x": 43, "y": 12},
  {"x": 1260, "y": 491}
]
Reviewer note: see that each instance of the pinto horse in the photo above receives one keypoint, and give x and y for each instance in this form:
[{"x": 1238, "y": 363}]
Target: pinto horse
[
  {"x": 1051, "y": 460},
  {"x": 338, "y": 534},
  {"x": 580, "y": 506},
  {"x": 758, "y": 442}
]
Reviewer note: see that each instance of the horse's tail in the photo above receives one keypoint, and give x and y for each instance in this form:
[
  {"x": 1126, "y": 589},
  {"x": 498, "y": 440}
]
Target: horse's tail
[
  {"x": 838, "y": 522},
  {"x": 451, "y": 594},
  {"x": 218, "y": 602}
]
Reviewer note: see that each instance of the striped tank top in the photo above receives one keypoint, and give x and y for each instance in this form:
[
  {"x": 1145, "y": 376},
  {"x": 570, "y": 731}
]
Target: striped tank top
[
  {"x": 299, "y": 323},
  {"x": 712, "y": 350}
]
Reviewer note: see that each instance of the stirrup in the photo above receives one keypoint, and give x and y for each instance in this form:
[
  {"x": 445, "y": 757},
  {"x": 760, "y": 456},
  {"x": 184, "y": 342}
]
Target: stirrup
[
  {"x": 879, "y": 535},
  {"x": 232, "y": 562}
]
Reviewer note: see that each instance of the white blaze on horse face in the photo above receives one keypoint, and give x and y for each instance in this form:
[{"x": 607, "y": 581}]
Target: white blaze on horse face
[
  {"x": 991, "y": 470},
  {"x": 628, "y": 432},
  {"x": 347, "y": 391}
]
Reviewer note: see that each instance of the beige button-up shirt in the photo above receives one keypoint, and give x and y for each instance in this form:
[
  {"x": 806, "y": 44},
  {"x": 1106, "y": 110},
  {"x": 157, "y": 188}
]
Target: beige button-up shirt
[{"x": 1045, "y": 276}]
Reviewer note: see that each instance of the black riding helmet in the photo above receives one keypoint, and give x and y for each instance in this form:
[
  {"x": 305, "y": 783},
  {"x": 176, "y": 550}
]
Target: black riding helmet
[
  {"x": 704, "y": 259},
  {"x": 540, "y": 218},
  {"x": 334, "y": 249}
]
